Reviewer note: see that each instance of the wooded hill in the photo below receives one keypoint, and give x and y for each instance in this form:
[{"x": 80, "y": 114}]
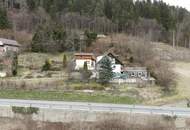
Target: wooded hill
[{"x": 54, "y": 20}]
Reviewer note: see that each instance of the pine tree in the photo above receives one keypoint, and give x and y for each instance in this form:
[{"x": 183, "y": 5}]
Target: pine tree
[
  {"x": 85, "y": 72},
  {"x": 105, "y": 70},
  {"x": 85, "y": 68},
  {"x": 64, "y": 61},
  {"x": 14, "y": 64}
]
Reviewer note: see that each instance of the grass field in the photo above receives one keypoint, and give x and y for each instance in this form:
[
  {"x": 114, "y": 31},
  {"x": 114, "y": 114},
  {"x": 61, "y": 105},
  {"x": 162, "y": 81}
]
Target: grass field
[
  {"x": 66, "y": 96},
  {"x": 182, "y": 70}
]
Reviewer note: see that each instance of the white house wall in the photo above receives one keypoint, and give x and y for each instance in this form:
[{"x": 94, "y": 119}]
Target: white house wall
[
  {"x": 117, "y": 68},
  {"x": 80, "y": 64}
]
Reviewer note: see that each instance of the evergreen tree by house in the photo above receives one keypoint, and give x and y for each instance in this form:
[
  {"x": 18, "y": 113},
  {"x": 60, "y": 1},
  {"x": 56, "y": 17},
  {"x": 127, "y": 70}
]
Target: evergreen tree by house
[
  {"x": 105, "y": 70},
  {"x": 14, "y": 64},
  {"x": 85, "y": 72},
  {"x": 64, "y": 61},
  {"x": 85, "y": 68}
]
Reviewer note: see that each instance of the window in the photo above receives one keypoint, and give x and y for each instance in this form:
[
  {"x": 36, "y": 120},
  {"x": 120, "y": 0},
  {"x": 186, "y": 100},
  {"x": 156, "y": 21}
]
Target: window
[
  {"x": 113, "y": 66},
  {"x": 140, "y": 74}
]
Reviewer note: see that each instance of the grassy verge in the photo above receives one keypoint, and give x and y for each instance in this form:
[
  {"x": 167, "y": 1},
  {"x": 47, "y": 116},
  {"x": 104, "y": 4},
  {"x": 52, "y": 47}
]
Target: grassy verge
[{"x": 62, "y": 96}]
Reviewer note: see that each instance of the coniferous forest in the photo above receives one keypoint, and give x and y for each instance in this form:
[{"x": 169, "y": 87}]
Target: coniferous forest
[{"x": 54, "y": 20}]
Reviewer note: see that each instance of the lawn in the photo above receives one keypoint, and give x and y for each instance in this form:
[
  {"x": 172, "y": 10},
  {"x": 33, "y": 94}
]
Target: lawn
[{"x": 67, "y": 96}]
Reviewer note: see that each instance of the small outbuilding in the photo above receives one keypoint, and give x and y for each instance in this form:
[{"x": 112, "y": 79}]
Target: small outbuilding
[{"x": 8, "y": 45}]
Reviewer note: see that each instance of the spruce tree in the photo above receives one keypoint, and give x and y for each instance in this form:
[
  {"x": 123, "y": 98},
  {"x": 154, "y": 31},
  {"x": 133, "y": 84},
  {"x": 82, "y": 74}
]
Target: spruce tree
[
  {"x": 105, "y": 70},
  {"x": 85, "y": 68},
  {"x": 85, "y": 72},
  {"x": 14, "y": 64},
  {"x": 64, "y": 61}
]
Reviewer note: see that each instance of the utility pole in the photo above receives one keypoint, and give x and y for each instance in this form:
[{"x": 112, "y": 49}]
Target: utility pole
[{"x": 173, "y": 33}]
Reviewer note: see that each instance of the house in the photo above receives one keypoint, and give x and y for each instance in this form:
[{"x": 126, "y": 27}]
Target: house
[
  {"x": 81, "y": 58},
  {"x": 8, "y": 45},
  {"x": 117, "y": 65}
]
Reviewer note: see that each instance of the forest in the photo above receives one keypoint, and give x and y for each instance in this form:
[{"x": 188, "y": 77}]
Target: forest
[{"x": 62, "y": 21}]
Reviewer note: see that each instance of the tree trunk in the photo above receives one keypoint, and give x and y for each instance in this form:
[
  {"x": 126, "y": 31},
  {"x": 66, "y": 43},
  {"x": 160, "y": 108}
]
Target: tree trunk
[{"x": 173, "y": 33}]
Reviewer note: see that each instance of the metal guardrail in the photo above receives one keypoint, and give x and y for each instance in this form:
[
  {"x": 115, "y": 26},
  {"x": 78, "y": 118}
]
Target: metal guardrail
[{"x": 76, "y": 106}]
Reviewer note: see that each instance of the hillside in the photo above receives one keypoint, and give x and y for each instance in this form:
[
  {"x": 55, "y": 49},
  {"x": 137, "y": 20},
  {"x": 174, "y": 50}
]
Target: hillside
[{"x": 156, "y": 20}]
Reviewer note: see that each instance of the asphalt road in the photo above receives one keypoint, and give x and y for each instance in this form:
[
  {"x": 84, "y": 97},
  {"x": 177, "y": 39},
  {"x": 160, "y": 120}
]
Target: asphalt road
[{"x": 98, "y": 107}]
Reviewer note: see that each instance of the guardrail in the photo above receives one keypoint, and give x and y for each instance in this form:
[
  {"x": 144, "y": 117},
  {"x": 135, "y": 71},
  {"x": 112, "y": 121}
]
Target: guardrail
[{"x": 76, "y": 106}]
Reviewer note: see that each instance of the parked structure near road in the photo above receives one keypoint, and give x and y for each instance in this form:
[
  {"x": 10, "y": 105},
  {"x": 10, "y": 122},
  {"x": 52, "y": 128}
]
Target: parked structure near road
[
  {"x": 81, "y": 58},
  {"x": 8, "y": 45},
  {"x": 136, "y": 72},
  {"x": 138, "y": 75}
]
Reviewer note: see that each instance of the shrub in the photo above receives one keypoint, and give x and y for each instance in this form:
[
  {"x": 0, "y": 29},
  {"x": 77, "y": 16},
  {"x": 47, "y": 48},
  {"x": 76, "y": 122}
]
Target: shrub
[
  {"x": 64, "y": 61},
  {"x": 14, "y": 64},
  {"x": 25, "y": 110},
  {"x": 85, "y": 72},
  {"x": 163, "y": 74},
  {"x": 47, "y": 65},
  {"x": 4, "y": 22},
  {"x": 90, "y": 37}
]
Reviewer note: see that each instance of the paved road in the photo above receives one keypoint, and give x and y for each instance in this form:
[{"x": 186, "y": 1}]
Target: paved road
[{"x": 98, "y": 107}]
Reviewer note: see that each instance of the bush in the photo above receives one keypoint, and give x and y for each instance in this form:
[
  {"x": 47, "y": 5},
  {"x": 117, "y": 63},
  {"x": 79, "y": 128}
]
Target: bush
[
  {"x": 25, "y": 110},
  {"x": 163, "y": 74},
  {"x": 47, "y": 65},
  {"x": 4, "y": 23},
  {"x": 14, "y": 64},
  {"x": 90, "y": 37}
]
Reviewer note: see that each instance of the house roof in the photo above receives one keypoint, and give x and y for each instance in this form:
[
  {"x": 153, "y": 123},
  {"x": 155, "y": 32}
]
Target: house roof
[
  {"x": 9, "y": 42},
  {"x": 116, "y": 58},
  {"x": 84, "y": 54},
  {"x": 135, "y": 69},
  {"x": 110, "y": 54}
]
